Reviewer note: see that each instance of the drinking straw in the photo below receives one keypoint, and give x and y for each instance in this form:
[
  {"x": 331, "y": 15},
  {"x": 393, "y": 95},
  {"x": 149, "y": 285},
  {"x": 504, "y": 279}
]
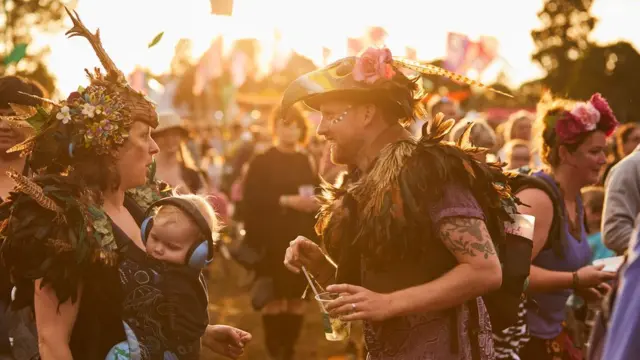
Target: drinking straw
[{"x": 313, "y": 287}]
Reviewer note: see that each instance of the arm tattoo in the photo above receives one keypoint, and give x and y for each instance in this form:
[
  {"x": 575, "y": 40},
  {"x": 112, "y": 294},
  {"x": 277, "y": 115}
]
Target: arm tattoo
[{"x": 466, "y": 236}]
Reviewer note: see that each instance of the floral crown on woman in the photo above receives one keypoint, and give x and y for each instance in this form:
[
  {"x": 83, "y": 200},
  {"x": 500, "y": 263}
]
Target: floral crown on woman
[
  {"x": 373, "y": 73},
  {"x": 96, "y": 119},
  {"x": 584, "y": 117}
]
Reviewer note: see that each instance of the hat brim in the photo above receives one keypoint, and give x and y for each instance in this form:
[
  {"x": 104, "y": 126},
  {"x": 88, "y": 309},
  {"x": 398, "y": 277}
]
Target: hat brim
[{"x": 336, "y": 83}]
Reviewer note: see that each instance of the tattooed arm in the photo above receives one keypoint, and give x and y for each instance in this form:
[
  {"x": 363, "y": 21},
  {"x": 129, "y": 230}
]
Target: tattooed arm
[{"x": 478, "y": 270}]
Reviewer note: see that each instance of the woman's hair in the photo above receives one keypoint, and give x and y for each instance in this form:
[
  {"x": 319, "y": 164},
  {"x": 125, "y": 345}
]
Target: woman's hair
[
  {"x": 545, "y": 131},
  {"x": 621, "y": 136},
  {"x": 12, "y": 86},
  {"x": 298, "y": 117},
  {"x": 97, "y": 172},
  {"x": 593, "y": 198},
  {"x": 200, "y": 203},
  {"x": 514, "y": 118},
  {"x": 482, "y": 135}
]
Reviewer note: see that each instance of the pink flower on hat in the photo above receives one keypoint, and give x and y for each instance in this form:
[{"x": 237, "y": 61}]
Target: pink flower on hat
[
  {"x": 374, "y": 64},
  {"x": 587, "y": 114}
]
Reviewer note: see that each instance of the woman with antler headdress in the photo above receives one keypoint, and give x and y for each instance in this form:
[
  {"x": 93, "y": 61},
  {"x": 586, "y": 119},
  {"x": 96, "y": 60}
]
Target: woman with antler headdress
[
  {"x": 66, "y": 229},
  {"x": 411, "y": 225}
]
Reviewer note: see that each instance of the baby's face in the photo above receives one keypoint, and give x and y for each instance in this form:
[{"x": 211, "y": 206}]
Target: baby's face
[{"x": 171, "y": 238}]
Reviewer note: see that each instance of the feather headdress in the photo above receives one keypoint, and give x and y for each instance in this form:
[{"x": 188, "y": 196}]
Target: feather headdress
[{"x": 92, "y": 120}]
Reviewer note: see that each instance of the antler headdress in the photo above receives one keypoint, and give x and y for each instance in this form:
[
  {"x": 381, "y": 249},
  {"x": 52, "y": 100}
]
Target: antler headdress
[{"x": 95, "y": 120}]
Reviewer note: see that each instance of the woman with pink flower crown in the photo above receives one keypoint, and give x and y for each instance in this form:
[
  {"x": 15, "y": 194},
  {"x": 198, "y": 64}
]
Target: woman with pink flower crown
[{"x": 572, "y": 139}]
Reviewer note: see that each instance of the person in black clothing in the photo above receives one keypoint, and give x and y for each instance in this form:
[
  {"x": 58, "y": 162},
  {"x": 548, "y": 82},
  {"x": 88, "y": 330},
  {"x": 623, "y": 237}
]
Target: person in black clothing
[
  {"x": 279, "y": 204},
  {"x": 66, "y": 230},
  {"x": 18, "y": 324}
]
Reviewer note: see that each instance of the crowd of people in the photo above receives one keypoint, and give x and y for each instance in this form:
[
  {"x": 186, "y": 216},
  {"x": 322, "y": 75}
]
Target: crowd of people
[{"x": 448, "y": 234}]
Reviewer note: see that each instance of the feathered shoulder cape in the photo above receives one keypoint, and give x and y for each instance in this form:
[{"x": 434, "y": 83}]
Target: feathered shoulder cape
[
  {"x": 53, "y": 229},
  {"x": 393, "y": 199}
]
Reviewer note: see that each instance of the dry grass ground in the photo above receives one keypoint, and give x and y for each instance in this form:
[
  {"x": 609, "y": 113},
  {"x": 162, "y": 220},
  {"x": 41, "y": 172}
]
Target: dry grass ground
[{"x": 230, "y": 305}]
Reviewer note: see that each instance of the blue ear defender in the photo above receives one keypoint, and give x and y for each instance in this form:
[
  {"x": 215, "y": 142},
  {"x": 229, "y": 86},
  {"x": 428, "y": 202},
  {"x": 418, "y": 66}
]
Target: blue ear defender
[
  {"x": 201, "y": 253},
  {"x": 70, "y": 149}
]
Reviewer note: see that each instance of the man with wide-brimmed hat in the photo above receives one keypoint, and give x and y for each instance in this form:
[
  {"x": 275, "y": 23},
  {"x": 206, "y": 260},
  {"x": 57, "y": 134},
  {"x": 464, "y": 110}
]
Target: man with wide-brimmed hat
[{"x": 407, "y": 226}]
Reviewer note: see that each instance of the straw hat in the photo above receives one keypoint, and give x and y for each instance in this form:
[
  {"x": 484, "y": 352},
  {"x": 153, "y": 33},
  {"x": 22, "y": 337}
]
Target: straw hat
[{"x": 169, "y": 120}]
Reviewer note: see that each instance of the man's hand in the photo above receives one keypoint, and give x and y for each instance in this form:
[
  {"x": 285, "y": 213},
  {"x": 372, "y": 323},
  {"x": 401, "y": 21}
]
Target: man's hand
[
  {"x": 304, "y": 252},
  {"x": 358, "y": 303},
  {"x": 226, "y": 340}
]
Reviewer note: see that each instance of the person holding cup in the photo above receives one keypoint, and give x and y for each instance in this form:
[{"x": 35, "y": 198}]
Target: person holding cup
[
  {"x": 279, "y": 203},
  {"x": 412, "y": 224}
]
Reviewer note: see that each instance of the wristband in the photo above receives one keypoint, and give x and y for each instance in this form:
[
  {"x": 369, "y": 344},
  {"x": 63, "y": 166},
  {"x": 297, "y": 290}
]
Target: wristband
[{"x": 575, "y": 282}]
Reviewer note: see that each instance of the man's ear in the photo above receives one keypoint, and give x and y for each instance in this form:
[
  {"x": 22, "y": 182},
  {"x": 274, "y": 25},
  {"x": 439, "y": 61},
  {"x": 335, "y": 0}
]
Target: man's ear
[{"x": 370, "y": 112}]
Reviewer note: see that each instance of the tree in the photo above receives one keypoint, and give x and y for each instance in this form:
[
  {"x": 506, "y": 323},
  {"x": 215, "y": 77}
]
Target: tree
[
  {"x": 22, "y": 19},
  {"x": 563, "y": 40},
  {"x": 613, "y": 71}
]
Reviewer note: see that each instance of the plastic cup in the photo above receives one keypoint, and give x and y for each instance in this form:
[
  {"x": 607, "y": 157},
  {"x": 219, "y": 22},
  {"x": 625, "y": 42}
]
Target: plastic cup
[{"x": 334, "y": 329}]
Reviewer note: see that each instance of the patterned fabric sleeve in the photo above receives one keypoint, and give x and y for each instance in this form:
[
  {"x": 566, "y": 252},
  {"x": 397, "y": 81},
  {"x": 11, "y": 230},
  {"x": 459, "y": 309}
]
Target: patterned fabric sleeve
[{"x": 456, "y": 201}]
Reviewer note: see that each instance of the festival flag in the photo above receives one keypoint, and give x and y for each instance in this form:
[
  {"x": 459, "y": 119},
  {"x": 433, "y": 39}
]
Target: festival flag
[
  {"x": 137, "y": 80},
  {"x": 464, "y": 55},
  {"x": 457, "y": 46},
  {"x": 326, "y": 54},
  {"x": 354, "y": 46},
  {"x": 209, "y": 67},
  {"x": 281, "y": 54},
  {"x": 376, "y": 36},
  {"x": 240, "y": 63},
  {"x": 411, "y": 53},
  {"x": 487, "y": 52},
  {"x": 222, "y": 7}
]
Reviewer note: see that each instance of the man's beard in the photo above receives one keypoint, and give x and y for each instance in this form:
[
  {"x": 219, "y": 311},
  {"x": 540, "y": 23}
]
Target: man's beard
[{"x": 339, "y": 155}]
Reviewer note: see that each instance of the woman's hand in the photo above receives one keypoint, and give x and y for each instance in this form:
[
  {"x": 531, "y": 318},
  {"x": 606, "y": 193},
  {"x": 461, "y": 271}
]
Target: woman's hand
[
  {"x": 594, "y": 294},
  {"x": 226, "y": 340},
  {"x": 304, "y": 252},
  {"x": 358, "y": 303},
  {"x": 591, "y": 275}
]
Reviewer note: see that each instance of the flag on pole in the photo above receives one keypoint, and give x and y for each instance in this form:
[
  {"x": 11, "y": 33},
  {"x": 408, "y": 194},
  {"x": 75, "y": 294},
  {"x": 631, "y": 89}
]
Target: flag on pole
[
  {"x": 326, "y": 54},
  {"x": 457, "y": 46},
  {"x": 281, "y": 54},
  {"x": 209, "y": 67},
  {"x": 354, "y": 46},
  {"x": 411, "y": 53},
  {"x": 137, "y": 80},
  {"x": 464, "y": 55},
  {"x": 376, "y": 36}
]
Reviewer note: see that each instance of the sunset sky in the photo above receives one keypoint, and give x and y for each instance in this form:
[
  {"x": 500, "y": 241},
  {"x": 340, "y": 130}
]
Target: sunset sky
[{"x": 127, "y": 26}]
